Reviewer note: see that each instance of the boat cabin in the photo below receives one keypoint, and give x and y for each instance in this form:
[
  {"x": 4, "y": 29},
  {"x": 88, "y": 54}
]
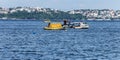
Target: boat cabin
[{"x": 82, "y": 25}]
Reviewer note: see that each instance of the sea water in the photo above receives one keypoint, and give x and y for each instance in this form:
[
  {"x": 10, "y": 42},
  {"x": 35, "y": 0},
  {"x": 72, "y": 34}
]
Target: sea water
[{"x": 27, "y": 40}]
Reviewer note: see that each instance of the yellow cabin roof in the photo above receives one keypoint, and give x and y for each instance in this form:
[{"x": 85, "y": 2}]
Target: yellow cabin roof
[{"x": 54, "y": 25}]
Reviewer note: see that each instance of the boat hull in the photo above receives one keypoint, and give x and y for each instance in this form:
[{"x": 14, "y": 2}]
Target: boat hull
[{"x": 81, "y": 27}]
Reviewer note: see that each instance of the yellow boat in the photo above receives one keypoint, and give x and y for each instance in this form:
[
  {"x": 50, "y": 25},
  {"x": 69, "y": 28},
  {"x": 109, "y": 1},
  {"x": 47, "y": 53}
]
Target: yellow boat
[{"x": 54, "y": 26}]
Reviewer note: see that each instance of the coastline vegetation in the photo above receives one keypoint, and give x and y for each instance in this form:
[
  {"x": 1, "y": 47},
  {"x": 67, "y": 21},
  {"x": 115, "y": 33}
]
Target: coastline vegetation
[
  {"x": 42, "y": 15},
  {"x": 37, "y": 13}
]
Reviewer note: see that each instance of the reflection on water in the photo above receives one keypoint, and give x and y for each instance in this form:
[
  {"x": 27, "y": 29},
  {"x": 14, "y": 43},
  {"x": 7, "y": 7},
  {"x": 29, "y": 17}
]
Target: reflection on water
[{"x": 26, "y": 40}]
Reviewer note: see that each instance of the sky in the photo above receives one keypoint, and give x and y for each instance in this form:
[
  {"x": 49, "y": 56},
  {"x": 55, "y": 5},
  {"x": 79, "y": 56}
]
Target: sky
[{"x": 63, "y": 4}]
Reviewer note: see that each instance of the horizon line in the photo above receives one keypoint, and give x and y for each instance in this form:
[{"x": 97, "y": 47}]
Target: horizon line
[{"x": 62, "y": 9}]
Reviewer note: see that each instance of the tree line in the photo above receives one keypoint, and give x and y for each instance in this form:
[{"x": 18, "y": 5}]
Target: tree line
[{"x": 42, "y": 15}]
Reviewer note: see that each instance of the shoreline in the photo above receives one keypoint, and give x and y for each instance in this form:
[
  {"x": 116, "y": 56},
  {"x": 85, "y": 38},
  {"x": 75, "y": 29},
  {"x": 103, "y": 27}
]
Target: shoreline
[{"x": 61, "y": 19}]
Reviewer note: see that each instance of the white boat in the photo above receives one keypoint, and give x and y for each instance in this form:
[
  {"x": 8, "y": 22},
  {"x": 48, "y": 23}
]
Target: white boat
[
  {"x": 47, "y": 21},
  {"x": 80, "y": 25}
]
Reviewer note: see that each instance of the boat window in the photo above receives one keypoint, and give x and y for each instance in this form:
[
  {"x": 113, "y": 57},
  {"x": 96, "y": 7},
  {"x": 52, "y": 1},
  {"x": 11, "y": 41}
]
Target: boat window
[
  {"x": 84, "y": 23},
  {"x": 76, "y": 24}
]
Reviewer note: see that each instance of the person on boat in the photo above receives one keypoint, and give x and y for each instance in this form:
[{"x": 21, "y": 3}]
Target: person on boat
[
  {"x": 48, "y": 24},
  {"x": 65, "y": 22}
]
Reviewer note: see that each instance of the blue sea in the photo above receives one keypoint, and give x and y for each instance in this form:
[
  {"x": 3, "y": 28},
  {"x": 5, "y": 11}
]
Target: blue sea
[{"x": 27, "y": 40}]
